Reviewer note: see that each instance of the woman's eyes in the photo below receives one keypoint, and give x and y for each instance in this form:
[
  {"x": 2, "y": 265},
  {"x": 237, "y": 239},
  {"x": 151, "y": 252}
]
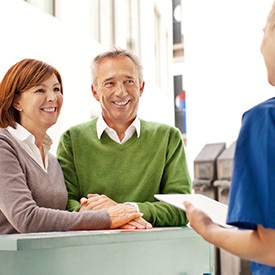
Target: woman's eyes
[
  {"x": 57, "y": 89},
  {"x": 41, "y": 90}
]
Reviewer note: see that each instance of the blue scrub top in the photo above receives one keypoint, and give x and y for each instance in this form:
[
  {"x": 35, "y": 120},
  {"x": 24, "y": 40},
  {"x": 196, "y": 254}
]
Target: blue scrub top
[{"x": 252, "y": 191}]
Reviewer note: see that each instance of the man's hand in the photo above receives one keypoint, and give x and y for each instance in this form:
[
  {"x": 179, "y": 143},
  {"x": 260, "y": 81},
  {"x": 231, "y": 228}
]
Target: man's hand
[
  {"x": 96, "y": 202},
  {"x": 102, "y": 202}
]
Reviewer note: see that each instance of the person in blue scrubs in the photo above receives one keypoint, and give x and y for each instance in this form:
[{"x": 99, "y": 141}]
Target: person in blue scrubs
[{"x": 252, "y": 191}]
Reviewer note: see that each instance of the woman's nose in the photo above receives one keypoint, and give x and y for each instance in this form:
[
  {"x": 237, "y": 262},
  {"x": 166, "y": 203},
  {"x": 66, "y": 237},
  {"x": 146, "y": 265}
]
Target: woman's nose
[{"x": 51, "y": 95}]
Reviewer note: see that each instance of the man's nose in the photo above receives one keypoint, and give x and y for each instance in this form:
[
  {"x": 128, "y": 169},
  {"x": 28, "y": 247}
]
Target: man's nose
[{"x": 121, "y": 89}]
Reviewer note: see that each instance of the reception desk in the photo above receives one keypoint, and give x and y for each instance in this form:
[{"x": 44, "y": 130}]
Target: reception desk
[{"x": 166, "y": 251}]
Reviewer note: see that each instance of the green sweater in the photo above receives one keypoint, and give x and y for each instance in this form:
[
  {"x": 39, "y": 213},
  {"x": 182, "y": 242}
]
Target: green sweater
[{"x": 134, "y": 171}]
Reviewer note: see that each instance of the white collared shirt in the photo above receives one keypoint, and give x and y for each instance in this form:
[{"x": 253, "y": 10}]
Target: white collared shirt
[
  {"x": 27, "y": 142},
  {"x": 102, "y": 126}
]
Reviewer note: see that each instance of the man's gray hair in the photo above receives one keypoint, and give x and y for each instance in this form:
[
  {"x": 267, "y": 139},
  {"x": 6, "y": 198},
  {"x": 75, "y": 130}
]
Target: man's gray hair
[{"x": 115, "y": 52}]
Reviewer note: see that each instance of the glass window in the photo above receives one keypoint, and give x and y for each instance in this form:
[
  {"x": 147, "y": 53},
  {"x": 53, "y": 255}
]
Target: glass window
[
  {"x": 44, "y": 5},
  {"x": 106, "y": 22},
  {"x": 94, "y": 19},
  {"x": 157, "y": 47},
  {"x": 132, "y": 24}
]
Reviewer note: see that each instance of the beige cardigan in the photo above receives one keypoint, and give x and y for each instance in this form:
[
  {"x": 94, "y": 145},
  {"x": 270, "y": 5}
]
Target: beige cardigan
[{"x": 32, "y": 200}]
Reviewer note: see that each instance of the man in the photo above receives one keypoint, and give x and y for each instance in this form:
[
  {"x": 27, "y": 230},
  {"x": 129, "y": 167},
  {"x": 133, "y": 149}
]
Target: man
[{"x": 119, "y": 158}]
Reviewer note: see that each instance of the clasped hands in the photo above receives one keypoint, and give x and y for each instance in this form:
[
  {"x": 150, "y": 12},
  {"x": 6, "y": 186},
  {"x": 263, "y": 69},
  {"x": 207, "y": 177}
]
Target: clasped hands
[{"x": 119, "y": 213}]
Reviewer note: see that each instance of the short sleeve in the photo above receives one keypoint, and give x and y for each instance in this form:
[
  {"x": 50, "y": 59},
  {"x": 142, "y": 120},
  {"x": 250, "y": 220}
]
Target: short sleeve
[{"x": 252, "y": 191}]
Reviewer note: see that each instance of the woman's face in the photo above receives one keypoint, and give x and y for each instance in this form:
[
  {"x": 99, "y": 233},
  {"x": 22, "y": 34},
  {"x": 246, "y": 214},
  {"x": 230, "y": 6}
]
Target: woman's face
[
  {"x": 268, "y": 50},
  {"x": 39, "y": 106}
]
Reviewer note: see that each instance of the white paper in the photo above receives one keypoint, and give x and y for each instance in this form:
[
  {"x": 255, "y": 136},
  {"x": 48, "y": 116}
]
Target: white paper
[{"x": 217, "y": 211}]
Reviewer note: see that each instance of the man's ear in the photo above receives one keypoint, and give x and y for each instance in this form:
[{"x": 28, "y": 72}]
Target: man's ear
[
  {"x": 141, "y": 88},
  {"x": 94, "y": 92}
]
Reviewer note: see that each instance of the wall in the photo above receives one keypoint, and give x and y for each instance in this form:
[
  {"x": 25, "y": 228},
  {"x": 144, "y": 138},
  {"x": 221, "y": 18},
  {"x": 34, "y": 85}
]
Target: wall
[
  {"x": 224, "y": 73},
  {"x": 29, "y": 32},
  {"x": 65, "y": 43}
]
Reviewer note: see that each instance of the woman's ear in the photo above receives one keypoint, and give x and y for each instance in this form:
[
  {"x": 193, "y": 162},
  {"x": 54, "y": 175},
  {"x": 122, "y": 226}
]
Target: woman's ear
[{"x": 17, "y": 105}]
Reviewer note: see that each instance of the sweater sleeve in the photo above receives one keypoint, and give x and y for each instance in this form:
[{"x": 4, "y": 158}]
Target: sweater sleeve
[
  {"x": 66, "y": 159},
  {"x": 19, "y": 211},
  {"x": 175, "y": 180}
]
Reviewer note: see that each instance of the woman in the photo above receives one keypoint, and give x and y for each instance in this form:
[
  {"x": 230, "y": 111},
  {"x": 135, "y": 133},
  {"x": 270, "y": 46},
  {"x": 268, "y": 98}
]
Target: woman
[
  {"x": 33, "y": 196},
  {"x": 252, "y": 192}
]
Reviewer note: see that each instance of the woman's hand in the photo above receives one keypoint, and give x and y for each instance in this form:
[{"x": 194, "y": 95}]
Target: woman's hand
[
  {"x": 102, "y": 202},
  {"x": 122, "y": 214},
  {"x": 138, "y": 223}
]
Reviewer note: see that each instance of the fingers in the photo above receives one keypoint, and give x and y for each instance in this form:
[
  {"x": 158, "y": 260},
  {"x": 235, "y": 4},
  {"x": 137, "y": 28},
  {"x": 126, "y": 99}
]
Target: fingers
[
  {"x": 97, "y": 202},
  {"x": 92, "y": 195},
  {"x": 148, "y": 225},
  {"x": 96, "y": 205},
  {"x": 88, "y": 204},
  {"x": 133, "y": 216},
  {"x": 83, "y": 201},
  {"x": 122, "y": 214},
  {"x": 141, "y": 223},
  {"x": 187, "y": 204},
  {"x": 127, "y": 226},
  {"x": 136, "y": 225}
]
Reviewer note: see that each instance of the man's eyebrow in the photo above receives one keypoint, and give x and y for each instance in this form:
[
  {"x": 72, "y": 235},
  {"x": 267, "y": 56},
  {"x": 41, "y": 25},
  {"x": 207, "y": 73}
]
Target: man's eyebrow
[
  {"x": 129, "y": 76},
  {"x": 108, "y": 79},
  {"x": 112, "y": 78}
]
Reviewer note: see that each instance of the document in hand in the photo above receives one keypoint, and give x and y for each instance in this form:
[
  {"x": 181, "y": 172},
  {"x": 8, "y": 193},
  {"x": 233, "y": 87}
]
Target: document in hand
[{"x": 215, "y": 210}]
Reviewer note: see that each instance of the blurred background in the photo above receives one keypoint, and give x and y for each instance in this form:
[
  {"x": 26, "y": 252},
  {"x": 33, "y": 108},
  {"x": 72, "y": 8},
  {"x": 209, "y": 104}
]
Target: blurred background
[{"x": 202, "y": 62}]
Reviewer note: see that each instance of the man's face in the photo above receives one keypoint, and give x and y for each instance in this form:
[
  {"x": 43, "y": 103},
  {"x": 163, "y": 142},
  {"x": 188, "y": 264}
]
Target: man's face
[{"x": 118, "y": 90}]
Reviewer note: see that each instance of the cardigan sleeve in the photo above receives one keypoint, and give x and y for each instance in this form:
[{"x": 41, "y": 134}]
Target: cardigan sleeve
[{"x": 19, "y": 210}]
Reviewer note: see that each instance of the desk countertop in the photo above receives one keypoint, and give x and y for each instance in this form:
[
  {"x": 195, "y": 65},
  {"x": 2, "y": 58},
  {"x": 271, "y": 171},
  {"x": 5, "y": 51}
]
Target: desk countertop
[{"x": 13, "y": 242}]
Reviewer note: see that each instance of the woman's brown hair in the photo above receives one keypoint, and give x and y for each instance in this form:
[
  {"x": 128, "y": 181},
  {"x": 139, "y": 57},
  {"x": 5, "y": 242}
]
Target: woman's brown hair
[{"x": 22, "y": 76}]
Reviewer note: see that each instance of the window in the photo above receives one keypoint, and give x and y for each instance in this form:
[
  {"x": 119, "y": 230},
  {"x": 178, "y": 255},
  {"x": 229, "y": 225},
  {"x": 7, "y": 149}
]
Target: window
[
  {"x": 44, "y": 5},
  {"x": 132, "y": 25},
  {"x": 106, "y": 9},
  {"x": 157, "y": 47}
]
